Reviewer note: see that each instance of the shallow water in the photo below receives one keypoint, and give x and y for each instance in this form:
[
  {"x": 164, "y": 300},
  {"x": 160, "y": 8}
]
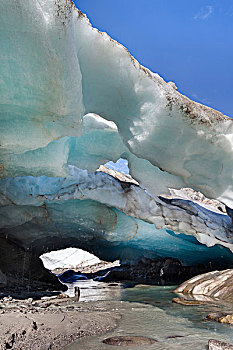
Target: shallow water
[{"x": 148, "y": 311}]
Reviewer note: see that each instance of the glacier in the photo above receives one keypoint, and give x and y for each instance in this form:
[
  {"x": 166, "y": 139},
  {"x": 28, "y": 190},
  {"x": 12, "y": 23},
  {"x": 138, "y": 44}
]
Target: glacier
[
  {"x": 70, "y": 258},
  {"x": 73, "y": 99}
]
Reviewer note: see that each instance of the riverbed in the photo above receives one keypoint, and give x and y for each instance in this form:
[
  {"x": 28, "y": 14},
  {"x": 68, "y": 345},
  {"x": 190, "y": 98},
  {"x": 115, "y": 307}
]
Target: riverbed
[{"x": 148, "y": 311}]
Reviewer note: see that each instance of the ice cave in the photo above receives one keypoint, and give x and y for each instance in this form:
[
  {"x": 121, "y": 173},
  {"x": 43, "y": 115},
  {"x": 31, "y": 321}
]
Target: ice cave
[{"x": 73, "y": 99}]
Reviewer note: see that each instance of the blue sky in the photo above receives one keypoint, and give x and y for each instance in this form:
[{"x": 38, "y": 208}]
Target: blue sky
[{"x": 189, "y": 42}]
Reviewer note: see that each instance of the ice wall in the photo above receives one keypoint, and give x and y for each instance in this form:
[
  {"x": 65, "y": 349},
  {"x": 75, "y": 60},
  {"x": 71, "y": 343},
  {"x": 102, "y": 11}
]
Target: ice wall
[
  {"x": 102, "y": 214},
  {"x": 72, "y": 99},
  {"x": 55, "y": 68}
]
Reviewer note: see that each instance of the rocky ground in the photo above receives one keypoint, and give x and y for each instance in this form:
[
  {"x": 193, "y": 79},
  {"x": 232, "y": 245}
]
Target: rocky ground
[
  {"x": 49, "y": 320},
  {"x": 50, "y": 323},
  {"x": 54, "y": 321},
  {"x": 214, "y": 284},
  {"x": 213, "y": 288}
]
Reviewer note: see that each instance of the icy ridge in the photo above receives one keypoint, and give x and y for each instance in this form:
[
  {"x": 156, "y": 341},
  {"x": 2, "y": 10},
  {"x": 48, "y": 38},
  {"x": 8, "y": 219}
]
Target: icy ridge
[{"x": 207, "y": 224}]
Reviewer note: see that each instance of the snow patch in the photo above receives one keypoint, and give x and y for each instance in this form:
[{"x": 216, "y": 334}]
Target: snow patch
[{"x": 69, "y": 258}]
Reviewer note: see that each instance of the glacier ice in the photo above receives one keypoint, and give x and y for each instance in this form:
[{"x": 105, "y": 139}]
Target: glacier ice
[
  {"x": 102, "y": 214},
  {"x": 73, "y": 99},
  {"x": 61, "y": 68}
]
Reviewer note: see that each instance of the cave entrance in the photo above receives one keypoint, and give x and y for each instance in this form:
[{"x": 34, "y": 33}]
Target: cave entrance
[
  {"x": 80, "y": 271},
  {"x": 73, "y": 264}
]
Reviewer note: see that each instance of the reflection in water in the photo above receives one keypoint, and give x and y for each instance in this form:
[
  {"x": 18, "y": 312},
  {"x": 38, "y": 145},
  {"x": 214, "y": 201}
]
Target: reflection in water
[
  {"x": 148, "y": 311},
  {"x": 95, "y": 291}
]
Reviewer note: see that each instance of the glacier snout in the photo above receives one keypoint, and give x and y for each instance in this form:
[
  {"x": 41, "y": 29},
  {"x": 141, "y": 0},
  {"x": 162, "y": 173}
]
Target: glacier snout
[{"x": 73, "y": 99}]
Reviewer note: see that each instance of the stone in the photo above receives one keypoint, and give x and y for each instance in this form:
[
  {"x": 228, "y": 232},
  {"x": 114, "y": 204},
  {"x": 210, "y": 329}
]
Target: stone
[
  {"x": 23, "y": 267},
  {"x": 219, "y": 345},
  {"x": 174, "y": 336},
  {"x": 186, "y": 302},
  {"x": 215, "y": 316},
  {"x": 129, "y": 341},
  {"x": 215, "y": 284},
  {"x": 226, "y": 319}
]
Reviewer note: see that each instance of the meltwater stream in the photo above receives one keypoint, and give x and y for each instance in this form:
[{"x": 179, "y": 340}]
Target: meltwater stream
[{"x": 148, "y": 311}]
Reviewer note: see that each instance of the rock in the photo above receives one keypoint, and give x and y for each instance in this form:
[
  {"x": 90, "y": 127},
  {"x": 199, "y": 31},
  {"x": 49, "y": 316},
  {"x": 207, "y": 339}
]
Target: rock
[
  {"x": 29, "y": 300},
  {"x": 226, "y": 319},
  {"x": 215, "y": 316},
  {"x": 62, "y": 296},
  {"x": 221, "y": 317},
  {"x": 174, "y": 336},
  {"x": 3, "y": 279},
  {"x": 219, "y": 345},
  {"x": 24, "y": 268},
  {"x": 129, "y": 341},
  {"x": 186, "y": 302},
  {"x": 216, "y": 284}
]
